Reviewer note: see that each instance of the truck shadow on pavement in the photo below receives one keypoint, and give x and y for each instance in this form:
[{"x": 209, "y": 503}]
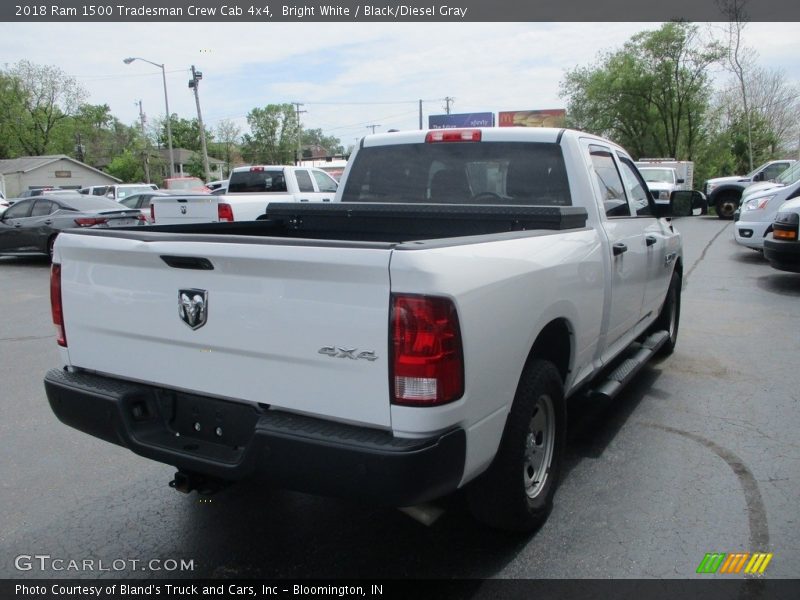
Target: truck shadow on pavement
[{"x": 783, "y": 284}]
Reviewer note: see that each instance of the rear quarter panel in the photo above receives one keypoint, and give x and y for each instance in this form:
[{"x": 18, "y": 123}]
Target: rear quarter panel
[{"x": 506, "y": 291}]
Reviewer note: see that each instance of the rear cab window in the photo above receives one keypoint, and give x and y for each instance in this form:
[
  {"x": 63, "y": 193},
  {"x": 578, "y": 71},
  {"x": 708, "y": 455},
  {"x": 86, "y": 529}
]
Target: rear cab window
[
  {"x": 515, "y": 173},
  {"x": 257, "y": 180}
]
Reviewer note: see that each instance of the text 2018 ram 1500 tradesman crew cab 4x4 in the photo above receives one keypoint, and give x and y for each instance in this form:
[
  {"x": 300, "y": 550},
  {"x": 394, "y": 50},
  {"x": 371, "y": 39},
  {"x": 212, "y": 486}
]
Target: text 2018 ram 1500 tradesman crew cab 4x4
[{"x": 420, "y": 334}]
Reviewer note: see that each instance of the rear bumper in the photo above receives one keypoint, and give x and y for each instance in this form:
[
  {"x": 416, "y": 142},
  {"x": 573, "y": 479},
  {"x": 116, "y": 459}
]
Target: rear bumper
[
  {"x": 233, "y": 441},
  {"x": 782, "y": 255}
]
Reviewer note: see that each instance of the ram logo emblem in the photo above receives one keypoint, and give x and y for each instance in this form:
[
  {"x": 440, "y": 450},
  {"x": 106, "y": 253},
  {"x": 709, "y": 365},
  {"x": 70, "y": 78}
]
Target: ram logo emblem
[
  {"x": 193, "y": 307},
  {"x": 351, "y": 353}
]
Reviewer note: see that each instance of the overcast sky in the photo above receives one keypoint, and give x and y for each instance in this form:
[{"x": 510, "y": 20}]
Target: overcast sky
[{"x": 347, "y": 75}]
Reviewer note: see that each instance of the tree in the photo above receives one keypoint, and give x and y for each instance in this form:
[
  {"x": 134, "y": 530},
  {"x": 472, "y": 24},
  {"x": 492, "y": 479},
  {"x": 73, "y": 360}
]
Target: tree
[
  {"x": 228, "y": 134},
  {"x": 36, "y": 102},
  {"x": 127, "y": 166},
  {"x": 185, "y": 133},
  {"x": 274, "y": 135},
  {"x": 740, "y": 61},
  {"x": 195, "y": 166},
  {"x": 651, "y": 96},
  {"x": 315, "y": 137}
]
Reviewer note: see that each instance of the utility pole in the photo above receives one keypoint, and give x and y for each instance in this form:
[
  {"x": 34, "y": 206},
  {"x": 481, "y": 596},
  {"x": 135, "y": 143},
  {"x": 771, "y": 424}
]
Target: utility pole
[
  {"x": 448, "y": 100},
  {"x": 146, "y": 148},
  {"x": 194, "y": 84},
  {"x": 297, "y": 110},
  {"x": 420, "y": 114},
  {"x": 372, "y": 127}
]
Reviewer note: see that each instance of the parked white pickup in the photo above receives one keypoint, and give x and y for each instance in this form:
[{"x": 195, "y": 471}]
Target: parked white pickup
[
  {"x": 250, "y": 190},
  {"x": 422, "y": 335}
]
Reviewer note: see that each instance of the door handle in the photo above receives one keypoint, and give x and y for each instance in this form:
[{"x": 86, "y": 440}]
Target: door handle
[
  {"x": 619, "y": 249},
  {"x": 326, "y": 199},
  {"x": 650, "y": 240},
  {"x": 303, "y": 199},
  {"x": 17, "y": 225},
  {"x": 48, "y": 222}
]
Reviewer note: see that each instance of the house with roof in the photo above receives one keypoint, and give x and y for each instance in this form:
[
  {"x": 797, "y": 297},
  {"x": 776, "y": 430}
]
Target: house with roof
[{"x": 57, "y": 170}]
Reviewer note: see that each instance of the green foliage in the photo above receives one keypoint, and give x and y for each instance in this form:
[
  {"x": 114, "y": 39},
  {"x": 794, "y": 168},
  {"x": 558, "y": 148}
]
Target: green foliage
[
  {"x": 274, "y": 135},
  {"x": 36, "y": 102},
  {"x": 316, "y": 137},
  {"x": 185, "y": 133},
  {"x": 650, "y": 97},
  {"x": 195, "y": 166},
  {"x": 127, "y": 166}
]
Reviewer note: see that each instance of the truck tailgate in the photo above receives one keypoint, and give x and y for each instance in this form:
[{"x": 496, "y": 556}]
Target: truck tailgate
[
  {"x": 295, "y": 326},
  {"x": 185, "y": 210}
]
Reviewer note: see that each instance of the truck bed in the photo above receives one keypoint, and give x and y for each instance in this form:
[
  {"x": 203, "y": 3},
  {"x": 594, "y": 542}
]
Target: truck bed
[{"x": 384, "y": 222}]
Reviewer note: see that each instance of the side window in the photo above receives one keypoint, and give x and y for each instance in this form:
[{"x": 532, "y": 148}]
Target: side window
[
  {"x": 772, "y": 171},
  {"x": 635, "y": 188},
  {"x": 130, "y": 201},
  {"x": 19, "y": 210},
  {"x": 609, "y": 182},
  {"x": 42, "y": 208},
  {"x": 304, "y": 181},
  {"x": 325, "y": 182}
]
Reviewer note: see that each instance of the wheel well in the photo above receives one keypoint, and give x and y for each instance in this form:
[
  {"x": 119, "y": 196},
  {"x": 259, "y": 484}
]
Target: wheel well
[
  {"x": 554, "y": 344},
  {"x": 727, "y": 193}
]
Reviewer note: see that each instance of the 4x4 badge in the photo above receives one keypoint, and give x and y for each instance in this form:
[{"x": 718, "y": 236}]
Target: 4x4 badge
[{"x": 193, "y": 307}]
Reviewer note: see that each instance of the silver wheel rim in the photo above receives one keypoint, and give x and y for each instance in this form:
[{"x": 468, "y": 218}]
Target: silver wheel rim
[
  {"x": 727, "y": 208},
  {"x": 539, "y": 446}
]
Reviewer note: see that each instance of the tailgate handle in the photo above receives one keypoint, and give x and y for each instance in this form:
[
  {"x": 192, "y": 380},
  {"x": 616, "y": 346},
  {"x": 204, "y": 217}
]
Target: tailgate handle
[{"x": 196, "y": 263}]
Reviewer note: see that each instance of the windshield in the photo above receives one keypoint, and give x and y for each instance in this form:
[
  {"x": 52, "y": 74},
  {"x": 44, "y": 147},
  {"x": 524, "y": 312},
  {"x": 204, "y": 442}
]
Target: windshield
[
  {"x": 460, "y": 173},
  {"x": 790, "y": 175},
  {"x": 185, "y": 184},
  {"x": 123, "y": 192},
  {"x": 658, "y": 175}
]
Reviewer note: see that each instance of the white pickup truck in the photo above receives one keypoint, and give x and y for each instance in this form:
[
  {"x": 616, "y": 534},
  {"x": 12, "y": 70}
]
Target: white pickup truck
[
  {"x": 250, "y": 190},
  {"x": 420, "y": 336}
]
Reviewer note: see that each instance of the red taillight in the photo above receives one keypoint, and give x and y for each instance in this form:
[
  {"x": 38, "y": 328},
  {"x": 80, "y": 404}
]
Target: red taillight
[
  {"x": 427, "y": 359},
  {"x": 256, "y": 169},
  {"x": 224, "y": 212},
  {"x": 453, "y": 135},
  {"x": 55, "y": 304},
  {"x": 90, "y": 221}
]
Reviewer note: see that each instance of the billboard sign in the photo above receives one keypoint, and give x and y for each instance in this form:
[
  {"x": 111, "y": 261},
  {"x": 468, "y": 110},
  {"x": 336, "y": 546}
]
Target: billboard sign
[
  {"x": 532, "y": 118},
  {"x": 484, "y": 119}
]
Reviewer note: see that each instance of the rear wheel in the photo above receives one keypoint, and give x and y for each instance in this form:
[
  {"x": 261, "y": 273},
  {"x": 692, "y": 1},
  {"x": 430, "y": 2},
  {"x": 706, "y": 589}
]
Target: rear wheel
[
  {"x": 50, "y": 245},
  {"x": 516, "y": 492},
  {"x": 726, "y": 205}
]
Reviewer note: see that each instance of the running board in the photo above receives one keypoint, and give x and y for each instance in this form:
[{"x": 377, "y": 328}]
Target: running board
[{"x": 638, "y": 356}]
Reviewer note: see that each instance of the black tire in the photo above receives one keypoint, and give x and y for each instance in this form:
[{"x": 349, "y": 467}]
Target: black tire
[
  {"x": 512, "y": 494},
  {"x": 670, "y": 316},
  {"x": 50, "y": 243},
  {"x": 726, "y": 205}
]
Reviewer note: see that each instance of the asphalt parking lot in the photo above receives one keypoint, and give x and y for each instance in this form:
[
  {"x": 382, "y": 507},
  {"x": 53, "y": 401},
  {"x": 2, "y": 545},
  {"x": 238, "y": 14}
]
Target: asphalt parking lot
[{"x": 700, "y": 454}]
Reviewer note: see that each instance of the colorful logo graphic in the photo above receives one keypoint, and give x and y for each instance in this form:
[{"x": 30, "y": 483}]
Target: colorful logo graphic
[{"x": 738, "y": 562}]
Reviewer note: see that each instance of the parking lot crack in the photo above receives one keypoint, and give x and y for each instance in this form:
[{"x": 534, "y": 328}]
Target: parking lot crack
[
  {"x": 756, "y": 511},
  {"x": 702, "y": 256}
]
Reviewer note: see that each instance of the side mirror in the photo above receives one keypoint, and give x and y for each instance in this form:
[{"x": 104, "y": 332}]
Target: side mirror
[
  {"x": 685, "y": 203},
  {"x": 759, "y": 177}
]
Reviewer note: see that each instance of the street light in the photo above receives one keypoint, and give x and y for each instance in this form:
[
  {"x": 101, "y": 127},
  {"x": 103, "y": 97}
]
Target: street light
[{"x": 128, "y": 61}]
